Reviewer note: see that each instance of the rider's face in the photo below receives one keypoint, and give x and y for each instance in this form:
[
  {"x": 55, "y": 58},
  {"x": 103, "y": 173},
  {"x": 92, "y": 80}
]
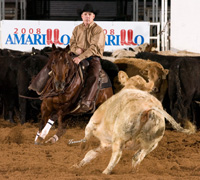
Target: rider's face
[{"x": 87, "y": 17}]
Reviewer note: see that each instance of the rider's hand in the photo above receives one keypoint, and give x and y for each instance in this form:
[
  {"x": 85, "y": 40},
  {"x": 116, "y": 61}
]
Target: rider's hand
[{"x": 77, "y": 60}]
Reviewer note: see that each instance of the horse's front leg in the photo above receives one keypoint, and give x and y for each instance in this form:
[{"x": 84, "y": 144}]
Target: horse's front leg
[
  {"x": 60, "y": 131},
  {"x": 43, "y": 131},
  {"x": 45, "y": 124}
]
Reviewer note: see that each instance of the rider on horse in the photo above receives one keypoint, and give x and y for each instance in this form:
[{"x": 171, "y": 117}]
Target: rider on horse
[{"x": 88, "y": 42}]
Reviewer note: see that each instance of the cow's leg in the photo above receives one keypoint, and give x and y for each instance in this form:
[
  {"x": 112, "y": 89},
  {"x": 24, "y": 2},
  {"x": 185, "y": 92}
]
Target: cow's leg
[
  {"x": 93, "y": 124},
  {"x": 22, "y": 109},
  {"x": 8, "y": 105},
  {"x": 172, "y": 89},
  {"x": 185, "y": 107},
  {"x": 194, "y": 112},
  {"x": 92, "y": 154},
  {"x": 116, "y": 155},
  {"x": 174, "y": 110},
  {"x": 152, "y": 148},
  {"x": 140, "y": 155},
  {"x": 90, "y": 127}
]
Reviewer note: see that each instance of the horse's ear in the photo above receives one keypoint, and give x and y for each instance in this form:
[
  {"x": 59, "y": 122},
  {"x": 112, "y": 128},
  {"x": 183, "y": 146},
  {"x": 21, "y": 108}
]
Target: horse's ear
[
  {"x": 67, "y": 48},
  {"x": 53, "y": 47}
]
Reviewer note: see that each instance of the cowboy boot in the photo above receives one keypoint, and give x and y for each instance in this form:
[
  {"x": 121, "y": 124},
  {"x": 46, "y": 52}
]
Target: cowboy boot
[
  {"x": 88, "y": 95},
  {"x": 130, "y": 37},
  {"x": 56, "y": 37},
  {"x": 49, "y": 36},
  {"x": 123, "y": 37}
]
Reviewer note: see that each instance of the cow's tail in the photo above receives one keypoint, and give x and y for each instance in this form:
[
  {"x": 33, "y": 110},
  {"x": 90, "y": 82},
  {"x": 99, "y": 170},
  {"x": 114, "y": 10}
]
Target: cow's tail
[{"x": 171, "y": 120}]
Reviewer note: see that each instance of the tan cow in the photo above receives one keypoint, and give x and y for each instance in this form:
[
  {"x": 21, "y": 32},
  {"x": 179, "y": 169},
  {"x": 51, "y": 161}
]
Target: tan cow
[
  {"x": 135, "y": 82},
  {"x": 131, "y": 118},
  {"x": 149, "y": 70}
]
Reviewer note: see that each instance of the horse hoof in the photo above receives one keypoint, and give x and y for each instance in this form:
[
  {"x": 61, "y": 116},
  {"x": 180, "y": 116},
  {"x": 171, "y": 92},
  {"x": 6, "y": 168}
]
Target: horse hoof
[
  {"x": 75, "y": 166},
  {"x": 37, "y": 143},
  {"x": 106, "y": 171},
  {"x": 52, "y": 140}
]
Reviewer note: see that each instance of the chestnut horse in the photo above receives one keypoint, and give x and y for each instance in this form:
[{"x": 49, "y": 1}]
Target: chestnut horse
[{"x": 61, "y": 93}]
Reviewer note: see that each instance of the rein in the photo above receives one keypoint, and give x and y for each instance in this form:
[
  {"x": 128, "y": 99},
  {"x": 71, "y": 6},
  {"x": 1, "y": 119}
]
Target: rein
[
  {"x": 69, "y": 81},
  {"x": 27, "y": 97}
]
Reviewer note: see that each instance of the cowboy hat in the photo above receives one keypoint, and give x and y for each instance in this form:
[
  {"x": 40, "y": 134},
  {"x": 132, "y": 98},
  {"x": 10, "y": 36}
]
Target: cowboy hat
[{"x": 87, "y": 8}]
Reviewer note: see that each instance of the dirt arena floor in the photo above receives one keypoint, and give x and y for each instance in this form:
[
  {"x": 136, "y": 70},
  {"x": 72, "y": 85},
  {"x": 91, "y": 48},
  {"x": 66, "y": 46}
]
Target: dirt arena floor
[{"x": 177, "y": 157}]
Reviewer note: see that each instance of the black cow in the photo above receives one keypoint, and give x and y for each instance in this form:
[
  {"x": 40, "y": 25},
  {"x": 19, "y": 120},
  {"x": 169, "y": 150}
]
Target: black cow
[
  {"x": 16, "y": 73},
  {"x": 165, "y": 61},
  {"x": 107, "y": 53},
  {"x": 183, "y": 87},
  {"x": 8, "y": 85},
  {"x": 46, "y": 51},
  {"x": 111, "y": 69},
  {"x": 27, "y": 70},
  {"x": 13, "y": 53}
]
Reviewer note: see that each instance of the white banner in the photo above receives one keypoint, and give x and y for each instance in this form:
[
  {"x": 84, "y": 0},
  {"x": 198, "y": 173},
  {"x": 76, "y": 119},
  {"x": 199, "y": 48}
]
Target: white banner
[{"x": 23, "y": 35}]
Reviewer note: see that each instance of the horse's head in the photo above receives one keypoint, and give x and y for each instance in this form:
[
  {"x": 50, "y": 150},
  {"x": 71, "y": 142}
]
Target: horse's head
[{"x": 61, "y": 63}]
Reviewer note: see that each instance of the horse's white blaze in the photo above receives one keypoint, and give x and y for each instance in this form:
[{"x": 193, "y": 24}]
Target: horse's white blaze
[{"x": 46, "y": 129}]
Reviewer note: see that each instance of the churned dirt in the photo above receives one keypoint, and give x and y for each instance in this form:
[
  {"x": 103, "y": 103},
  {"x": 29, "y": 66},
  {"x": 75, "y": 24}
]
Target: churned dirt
[{"x": 177, "y": 157}]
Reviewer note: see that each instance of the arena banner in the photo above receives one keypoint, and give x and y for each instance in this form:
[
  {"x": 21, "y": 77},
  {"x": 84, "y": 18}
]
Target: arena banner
[{"x": 24, "y": 35}]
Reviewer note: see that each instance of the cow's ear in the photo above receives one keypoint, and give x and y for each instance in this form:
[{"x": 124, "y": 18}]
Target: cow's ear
[
  {"x": 166, "y": 71},
  {"x": 53, "y": 47},
  {"x": 123, "y": 77}
]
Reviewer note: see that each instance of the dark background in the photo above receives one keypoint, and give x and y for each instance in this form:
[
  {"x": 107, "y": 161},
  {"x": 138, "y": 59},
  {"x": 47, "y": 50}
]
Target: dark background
[{"x": 109, "y": 10}]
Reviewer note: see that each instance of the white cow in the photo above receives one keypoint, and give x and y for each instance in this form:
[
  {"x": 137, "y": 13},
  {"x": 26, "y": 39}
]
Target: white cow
[{"x": 131, "y": 118}]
